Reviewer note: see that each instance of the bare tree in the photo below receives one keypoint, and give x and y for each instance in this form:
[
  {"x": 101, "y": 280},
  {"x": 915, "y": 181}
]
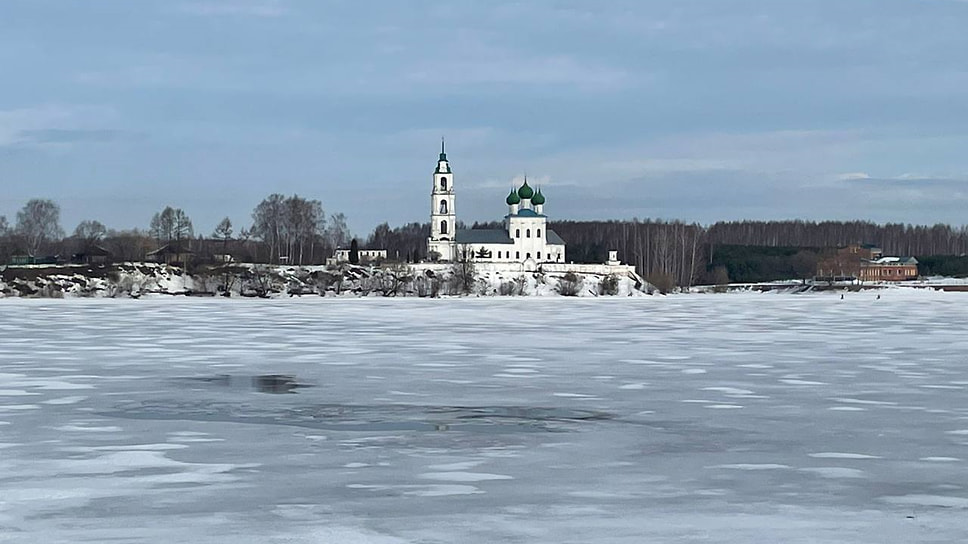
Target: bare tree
[
  {"x": 223, "y": 232},
  {"x": 171, "y": 224},
  {"x": 289, "y": 225},
  {"x": 462, "y": 271},
  {"x": 183, "y": 225},
  {"x": 128, "y": 245},
  {"x": 89, "y": 232},
  {"x": 39, "y": 223},
  {"x": 268, "y": 220},
  {"x": 5, "y": 235},
  {"x": 337, "y": 233},
  {"x": 304, "y": 222}
]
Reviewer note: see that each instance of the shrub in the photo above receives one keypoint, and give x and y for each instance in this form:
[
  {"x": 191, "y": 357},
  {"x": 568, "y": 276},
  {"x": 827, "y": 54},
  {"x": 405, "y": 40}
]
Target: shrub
[
  {"x": 608, "y": 285},
  {"x": 663, "y": 282},
  {"x": 569, "y": 285}
]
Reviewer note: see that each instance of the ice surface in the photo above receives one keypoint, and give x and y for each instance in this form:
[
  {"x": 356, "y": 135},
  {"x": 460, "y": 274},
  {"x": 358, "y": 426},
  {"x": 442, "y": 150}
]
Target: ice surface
[{"x": 699, "y": 418}]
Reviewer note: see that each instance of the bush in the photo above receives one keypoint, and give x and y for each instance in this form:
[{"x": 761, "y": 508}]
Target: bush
[
  {"x": 569, "y": 285},
  {"x": 50, "y": 290},
  {"x": 609, "y": 285},
  {"x": 483, "y": 288},
  {"x": 513, "y": 287},
  {"x": 396, "y": 279},
  {"x": 663, "y": 282}
]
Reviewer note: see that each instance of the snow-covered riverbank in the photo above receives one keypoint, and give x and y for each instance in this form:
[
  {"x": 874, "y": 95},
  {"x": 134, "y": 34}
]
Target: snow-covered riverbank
[{"x": 247, "y": 280}]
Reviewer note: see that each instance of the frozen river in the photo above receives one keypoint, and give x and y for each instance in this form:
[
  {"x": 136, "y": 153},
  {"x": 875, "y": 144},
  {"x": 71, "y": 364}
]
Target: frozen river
[{"x": 702, "y": 418}]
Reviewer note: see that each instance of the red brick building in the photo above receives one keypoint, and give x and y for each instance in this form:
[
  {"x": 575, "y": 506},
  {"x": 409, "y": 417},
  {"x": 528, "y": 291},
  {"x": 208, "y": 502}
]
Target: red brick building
[
  {"x": 867, "y": 263},
  {"x": 889, "y": 269}
]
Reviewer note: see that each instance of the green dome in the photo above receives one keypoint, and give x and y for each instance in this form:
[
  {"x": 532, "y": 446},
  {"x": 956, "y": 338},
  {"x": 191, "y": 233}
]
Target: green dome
[
  {"x": 538, "y": 198},
  {"x": 513, "y": 198},
  {"x": 525, "y": 192}
]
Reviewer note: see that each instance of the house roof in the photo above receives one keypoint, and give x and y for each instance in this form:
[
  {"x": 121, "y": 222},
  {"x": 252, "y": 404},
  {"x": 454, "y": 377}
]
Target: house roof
[
  {"x": 94, "y": 251},
  {"x": 174, "y": 248},
  {"x": 895, "y": 260}
]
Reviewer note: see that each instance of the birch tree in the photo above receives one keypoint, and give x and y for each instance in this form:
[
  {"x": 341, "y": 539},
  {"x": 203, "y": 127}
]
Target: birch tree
[{"x": 39, "y": 223}]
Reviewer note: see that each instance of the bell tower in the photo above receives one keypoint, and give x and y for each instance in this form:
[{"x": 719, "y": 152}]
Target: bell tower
[{"x": 443, "y": 215}]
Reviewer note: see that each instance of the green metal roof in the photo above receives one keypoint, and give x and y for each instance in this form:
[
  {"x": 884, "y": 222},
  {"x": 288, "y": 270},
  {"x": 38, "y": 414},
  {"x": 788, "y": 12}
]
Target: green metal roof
[{"x": 538, "y": 198}]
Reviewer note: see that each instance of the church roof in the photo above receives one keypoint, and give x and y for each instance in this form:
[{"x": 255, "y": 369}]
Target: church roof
[
  {"x": 483, "y": 236},
  {"x": 525, "y": 192},
  {"x": 499, "y": 236},
  {"x": 553, "y": 238},
  {"x": 538, "y": 198},
  {"x": 527, "y": 212}
]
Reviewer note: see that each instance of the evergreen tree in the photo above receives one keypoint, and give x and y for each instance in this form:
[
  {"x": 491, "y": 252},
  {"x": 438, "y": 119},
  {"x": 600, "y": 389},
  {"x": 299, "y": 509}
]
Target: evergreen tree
[{"x": 354, "y": 252}]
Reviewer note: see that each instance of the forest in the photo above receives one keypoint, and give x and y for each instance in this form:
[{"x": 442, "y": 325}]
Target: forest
[
  {"x": 671, "y": 253},
  {"x": 295, "y": 230}
]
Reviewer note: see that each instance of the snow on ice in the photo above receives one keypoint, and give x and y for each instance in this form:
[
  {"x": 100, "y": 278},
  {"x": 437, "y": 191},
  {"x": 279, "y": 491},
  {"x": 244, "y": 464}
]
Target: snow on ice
[{"x": 696, "y": 418}]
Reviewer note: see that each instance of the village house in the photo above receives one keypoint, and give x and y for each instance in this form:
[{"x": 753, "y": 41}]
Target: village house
[
  {"x": 174, "y": 253},
  {"x": 342, "y": 255},
  {"x": 866, "y": 262},
  {"x": 889, "y": 269},
  {"x": 92, "y": 255}
]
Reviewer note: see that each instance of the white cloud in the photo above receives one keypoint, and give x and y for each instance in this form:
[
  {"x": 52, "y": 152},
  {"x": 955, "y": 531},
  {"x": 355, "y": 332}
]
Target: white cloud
[
  {"x": 849, "y": 176},
  {"x": 20, "y": 126}
]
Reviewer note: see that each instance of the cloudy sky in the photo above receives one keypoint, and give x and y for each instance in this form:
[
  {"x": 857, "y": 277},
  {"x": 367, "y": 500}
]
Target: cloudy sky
[{"x": 693, "y": 109}]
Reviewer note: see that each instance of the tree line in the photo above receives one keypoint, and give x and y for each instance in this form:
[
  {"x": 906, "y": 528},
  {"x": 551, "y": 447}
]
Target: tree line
[
  {"x": 295, "y": 230},
  {"x": 670, "y": 253},
  {"x": 284, "y": 229}
]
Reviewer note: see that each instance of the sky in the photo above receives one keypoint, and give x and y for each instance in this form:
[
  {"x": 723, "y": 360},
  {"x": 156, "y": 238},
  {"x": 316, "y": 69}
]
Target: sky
[{"x": 699, "y": 110}]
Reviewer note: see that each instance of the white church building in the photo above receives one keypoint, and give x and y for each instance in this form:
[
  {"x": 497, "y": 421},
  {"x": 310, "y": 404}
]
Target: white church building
[{"x": 525, "y": 238}]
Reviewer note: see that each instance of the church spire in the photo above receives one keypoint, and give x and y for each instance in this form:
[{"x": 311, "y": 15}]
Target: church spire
[{"x": 443, "y": 154}]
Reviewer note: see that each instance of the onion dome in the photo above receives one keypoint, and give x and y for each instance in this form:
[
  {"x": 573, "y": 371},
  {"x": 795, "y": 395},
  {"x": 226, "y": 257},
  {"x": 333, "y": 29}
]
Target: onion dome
[
  {"x": 538, "y": 198},
  {"x": 513, "y": 198},
  {"x": 525, "y": 192}
]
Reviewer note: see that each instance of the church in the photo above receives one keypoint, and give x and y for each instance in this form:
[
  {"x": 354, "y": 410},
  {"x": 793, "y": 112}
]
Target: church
[{"x": 525, "y": 238}]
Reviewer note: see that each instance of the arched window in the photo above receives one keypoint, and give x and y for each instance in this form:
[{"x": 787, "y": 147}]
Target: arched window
[
  {"x": 443, "y": 227},
  {"x": 527, "y": 256},
  {"x": 443, "y": 184},
  {"x": 517, "y": 233},
  {"x": 517, "y": 254},
  {"x": 443, "y": 206},
  {"x": 539, "y": 254},
  {"x": 528, "y": 233},
  {"x": 538, "y": 234}
]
